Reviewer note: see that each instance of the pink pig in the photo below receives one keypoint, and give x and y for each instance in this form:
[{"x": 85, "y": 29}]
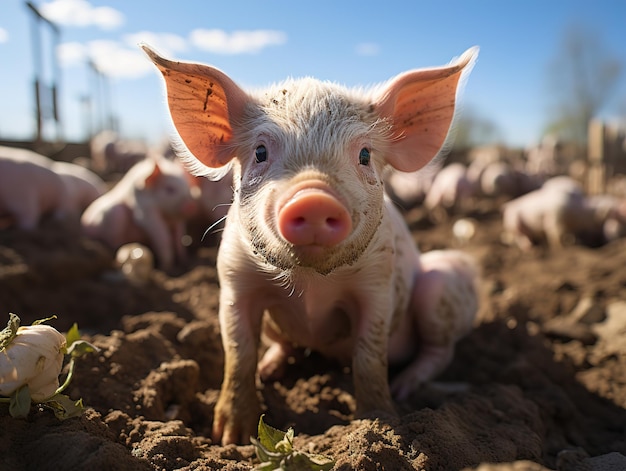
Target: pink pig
[
  {"x": 148, "y": 205},
  {"x": 558, "y": 213},
  {"x": 311, "y": 239},
  {"x": 83, "y": 185},
  {"x": 33, "y": 186},
  {"x": 449, "y": 189}
]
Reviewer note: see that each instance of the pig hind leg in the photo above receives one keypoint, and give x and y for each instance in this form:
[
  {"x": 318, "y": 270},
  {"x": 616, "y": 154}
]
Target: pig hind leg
[
  {"x": 444, "y": 304},
  {"x": 275, "y": 359}
]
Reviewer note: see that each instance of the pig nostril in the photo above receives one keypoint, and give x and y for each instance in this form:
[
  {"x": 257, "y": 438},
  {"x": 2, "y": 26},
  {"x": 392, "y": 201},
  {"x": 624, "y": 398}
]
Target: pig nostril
[{"x": 333, "y": 223}]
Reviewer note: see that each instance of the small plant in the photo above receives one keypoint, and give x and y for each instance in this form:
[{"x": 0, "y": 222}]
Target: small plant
[
  {"x": 274, "y": 448},
  {"x": 31, "y": 360}
]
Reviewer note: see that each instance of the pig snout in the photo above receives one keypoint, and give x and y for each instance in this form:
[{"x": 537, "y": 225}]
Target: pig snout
[{"x": 313, "y": 216}]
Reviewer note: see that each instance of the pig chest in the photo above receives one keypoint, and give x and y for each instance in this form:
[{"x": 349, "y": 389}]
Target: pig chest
[{"x": 322, "y": 316}]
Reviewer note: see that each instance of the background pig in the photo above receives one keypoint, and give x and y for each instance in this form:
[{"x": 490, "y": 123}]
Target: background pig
[
  {"x": 560, "y": 213},
  {"x": 30, "y": 189},
  {"x": 82, "y": 185},
  {"x": 148, "y": 205},
  {"x": 310, "y": 237},
  {"x": 449, "y": 189},
  {"x": 408, "y": 189},
  {"x": 111, "y": 154}
]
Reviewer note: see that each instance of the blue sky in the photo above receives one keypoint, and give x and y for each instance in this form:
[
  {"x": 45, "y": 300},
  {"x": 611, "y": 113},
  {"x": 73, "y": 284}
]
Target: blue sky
[{"x": 350, "y": 42}]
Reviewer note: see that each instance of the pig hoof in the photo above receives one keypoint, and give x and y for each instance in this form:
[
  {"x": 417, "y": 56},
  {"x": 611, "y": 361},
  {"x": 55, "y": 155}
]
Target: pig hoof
[
  {"x": 227, "y": 432},
  {"x": 274, "y": 363}
]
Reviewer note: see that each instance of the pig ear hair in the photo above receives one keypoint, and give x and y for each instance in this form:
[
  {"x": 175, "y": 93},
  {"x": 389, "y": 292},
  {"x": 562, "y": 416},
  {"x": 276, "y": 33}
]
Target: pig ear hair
[
  {"x": 203, "y": 103},
  {"x": 420, "y": 107}
]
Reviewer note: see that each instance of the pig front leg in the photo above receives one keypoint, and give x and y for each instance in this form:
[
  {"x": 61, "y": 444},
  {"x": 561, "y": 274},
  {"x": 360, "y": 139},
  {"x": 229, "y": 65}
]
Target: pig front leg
[
  {"x": 370, "y": 358},
  {"x": 443, "y": 306},
  {"x": 237, "y": 410},
  {"x": 159, "y": 235}
]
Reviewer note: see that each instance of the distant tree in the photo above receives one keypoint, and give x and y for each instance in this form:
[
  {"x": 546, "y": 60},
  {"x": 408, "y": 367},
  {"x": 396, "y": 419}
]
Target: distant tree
[
  {"x": 471, "y": 129},
  {"x": 581, "y": 78}
]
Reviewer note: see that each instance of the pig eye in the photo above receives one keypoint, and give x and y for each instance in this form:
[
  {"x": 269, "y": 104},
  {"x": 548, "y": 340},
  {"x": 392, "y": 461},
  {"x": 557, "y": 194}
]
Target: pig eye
[
  {"x": 364, "y": 156},
  {"x": 260, "y": 154}
]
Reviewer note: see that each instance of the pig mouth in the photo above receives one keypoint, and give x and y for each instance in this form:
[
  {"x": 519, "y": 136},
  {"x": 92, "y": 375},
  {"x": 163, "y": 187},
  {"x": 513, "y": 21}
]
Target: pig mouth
[{"x": 319, "y": 258}]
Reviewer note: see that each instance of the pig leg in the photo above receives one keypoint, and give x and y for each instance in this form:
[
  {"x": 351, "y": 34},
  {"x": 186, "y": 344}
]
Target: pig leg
[
  {"x": 237, "y": 410},
  {"x": 159, "y": 236},
  {"x": 515, "y": 230},
  {"x": 444, "y": 304},
  {"x": 555, "y": 231},
  {"x": 370, "y": 358},
  {"x": 272, "y": 365}
]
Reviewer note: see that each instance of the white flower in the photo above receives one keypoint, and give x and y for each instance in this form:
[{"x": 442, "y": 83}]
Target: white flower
[{"x": 34, "y": 357}]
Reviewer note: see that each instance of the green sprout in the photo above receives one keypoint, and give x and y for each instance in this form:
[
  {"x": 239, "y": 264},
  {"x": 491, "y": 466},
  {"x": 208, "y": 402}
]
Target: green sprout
[{"x": 274, "y": 448}]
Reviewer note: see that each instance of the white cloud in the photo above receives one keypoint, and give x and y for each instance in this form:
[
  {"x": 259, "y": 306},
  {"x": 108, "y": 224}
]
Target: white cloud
[
  {"x": 115, "y": 60},
  {"x": 70, "y": 54},
  {"x": 111, "y": 58},
  {"x": 81, "y": 13},
  {"x": 237, "y": 42},
  {"x": 166, "y": 43},
  {"x": 368, "y": 49},
  {"x": 4, "y": 35}
]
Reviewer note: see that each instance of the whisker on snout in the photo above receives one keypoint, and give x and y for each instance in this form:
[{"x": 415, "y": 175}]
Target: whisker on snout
[{"x": 216, "y": 223}]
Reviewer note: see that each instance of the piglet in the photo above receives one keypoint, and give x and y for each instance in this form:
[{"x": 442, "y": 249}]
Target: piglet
[
  {"x": 82, "y": 185},
  {"x": 311, "y": 239},
  {"x": 449, "y": 190},
  {"x": 559, "y": 213},
  {"x": 148, "y": 205},
  {"x": 30, "y": 189}
]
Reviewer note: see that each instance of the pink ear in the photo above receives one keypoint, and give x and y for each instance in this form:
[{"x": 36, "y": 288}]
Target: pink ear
[
  {"x": 154, "y": 176},
  {"x": 203, "y": 103},
  {"x": 420, "y": 105}
]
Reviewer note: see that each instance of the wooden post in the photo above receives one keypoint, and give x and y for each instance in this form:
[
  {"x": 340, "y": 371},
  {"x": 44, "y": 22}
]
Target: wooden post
[{"x": 596, "y": 158}]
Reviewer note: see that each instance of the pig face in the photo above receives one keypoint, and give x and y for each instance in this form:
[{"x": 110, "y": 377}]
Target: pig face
[
  {"x": 330, "y": 147},
  {"x": 169, "y": 189}
]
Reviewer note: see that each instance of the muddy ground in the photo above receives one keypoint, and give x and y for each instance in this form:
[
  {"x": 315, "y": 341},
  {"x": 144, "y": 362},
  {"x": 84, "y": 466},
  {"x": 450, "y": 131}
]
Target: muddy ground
[{"x": 540, "y": 382}]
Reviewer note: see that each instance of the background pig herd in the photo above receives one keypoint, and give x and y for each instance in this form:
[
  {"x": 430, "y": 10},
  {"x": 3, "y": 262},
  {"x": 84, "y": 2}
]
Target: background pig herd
[
  {"x": 151, "y": 204},
  {"x": 537, "y": 207},
  {"x": 157, "y": 199}
]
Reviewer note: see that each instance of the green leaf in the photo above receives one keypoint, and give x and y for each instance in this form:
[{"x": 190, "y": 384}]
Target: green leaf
[
  {"x": 64, "y": 407},
  {"x": 19, "y": 406},
  {"x": 264, "y": 454},
  {"x": 286, "y": 444},
  {"x": 80, "y": 347},
  {"x": 9, "y": 332},
  {"x": 270, "y": 436},
  {"x": 309, "y": 461},
  {"x": 274, "y": 448},
  {"x": 72, "y": 335},
  {"x": 267, "y": 466},
  {"x": 41, "y": 321}
]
